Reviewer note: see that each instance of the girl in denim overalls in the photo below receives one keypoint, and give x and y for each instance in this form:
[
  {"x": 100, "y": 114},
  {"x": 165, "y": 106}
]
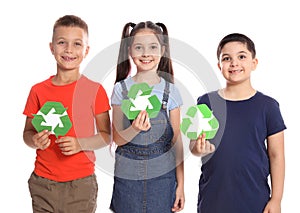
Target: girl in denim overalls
[{"x": 149, "y": 157}]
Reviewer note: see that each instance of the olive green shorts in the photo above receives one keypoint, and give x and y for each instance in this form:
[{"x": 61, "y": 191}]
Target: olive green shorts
[{"x": 63, "y": 197}]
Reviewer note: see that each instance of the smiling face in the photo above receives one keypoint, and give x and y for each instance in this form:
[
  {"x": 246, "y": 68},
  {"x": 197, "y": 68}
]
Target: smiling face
[
  {"x": 69, "y": 47},
  {"x": 146, "y": 51},
  {"x": 236, "y": 63}
]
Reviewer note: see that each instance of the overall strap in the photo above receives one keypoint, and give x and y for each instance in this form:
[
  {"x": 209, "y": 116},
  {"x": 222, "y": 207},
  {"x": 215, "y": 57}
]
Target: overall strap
[
  {"x": 166, "y": 95},
  {"x": 124, "y": 90}
]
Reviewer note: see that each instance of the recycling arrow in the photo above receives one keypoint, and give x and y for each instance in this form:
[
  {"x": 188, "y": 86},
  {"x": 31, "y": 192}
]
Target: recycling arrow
[
  {"x": 140, "y": 98},
  {"x": 200, "y": 119},
  {"x": 52, "y": 117}
]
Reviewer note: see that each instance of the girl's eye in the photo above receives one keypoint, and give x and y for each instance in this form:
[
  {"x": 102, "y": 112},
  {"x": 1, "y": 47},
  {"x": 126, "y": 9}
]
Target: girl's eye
[
  {"x": 153, "y": 47},
  {"x": 138, "y": 47}
]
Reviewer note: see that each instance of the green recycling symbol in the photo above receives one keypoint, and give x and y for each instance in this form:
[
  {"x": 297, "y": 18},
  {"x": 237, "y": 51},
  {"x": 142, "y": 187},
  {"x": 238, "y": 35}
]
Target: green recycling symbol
[
  {"x": 140, "y": 98},
  {"x": 53, "y": 117},
  {"x": 200, "y": 119}
]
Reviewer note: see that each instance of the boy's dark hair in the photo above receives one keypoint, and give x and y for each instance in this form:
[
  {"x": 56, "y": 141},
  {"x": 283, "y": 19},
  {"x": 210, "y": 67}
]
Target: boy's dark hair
[
  {"x": 237, "y": 37},
  {"x": 165, "y": 68},
  {"x": 71, "y": 21}
]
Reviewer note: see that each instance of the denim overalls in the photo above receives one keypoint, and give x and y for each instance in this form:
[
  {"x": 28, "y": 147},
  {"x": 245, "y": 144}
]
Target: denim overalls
[{"x": 145, "y": 174}]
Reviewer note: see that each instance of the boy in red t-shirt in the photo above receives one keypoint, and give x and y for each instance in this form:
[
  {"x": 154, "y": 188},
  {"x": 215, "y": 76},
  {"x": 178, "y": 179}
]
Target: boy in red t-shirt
[{"x": 63, "y": 179}]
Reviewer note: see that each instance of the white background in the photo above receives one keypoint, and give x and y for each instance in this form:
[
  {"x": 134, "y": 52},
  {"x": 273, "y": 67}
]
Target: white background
[{"x": 26, "y": 30}]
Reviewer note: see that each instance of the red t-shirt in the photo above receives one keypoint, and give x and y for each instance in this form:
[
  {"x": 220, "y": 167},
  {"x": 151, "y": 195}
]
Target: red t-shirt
[{"x": 83, "y": 100}]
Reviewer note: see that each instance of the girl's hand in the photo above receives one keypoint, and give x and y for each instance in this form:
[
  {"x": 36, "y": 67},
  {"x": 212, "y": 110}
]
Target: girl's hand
[
  {"x": 41, "y": 140},
  {"x": 142, "y": 122},
  {"x": 203, "y": 146},
  {"x": 179, "y": 200},
  {"x": 68, "y": 145}
]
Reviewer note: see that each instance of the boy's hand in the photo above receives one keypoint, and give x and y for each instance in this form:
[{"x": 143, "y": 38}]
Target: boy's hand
[
  {"x": 272, "y": 207},
  {"x": 41, "y": 140},
  {"x": 204, "y": 147},
  {"x": 68, "y": 145},
  {"x": 142, "y": 122}
]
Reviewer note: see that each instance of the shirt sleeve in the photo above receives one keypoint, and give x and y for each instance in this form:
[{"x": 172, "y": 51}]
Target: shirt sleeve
[
  {"x": 116, "y": 97},
  {"x": 175, "y": 99},
  {"x": 102, "y": 101},
  {"x": 203, "y": 100},
  {"x": 275, "y": 122},
  {"x": 32, "y": 105}
]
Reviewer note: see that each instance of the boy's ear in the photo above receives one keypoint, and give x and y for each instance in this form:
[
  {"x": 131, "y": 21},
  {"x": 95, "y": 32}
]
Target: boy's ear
[
  {"x": 254, "y": 62},
  {"x": 51, "y": 48},
  {"x": 87, "y": 50}
]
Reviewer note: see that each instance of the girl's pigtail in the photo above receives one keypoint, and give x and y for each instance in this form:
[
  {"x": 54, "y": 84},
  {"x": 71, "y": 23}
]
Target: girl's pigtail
[
  {"x": 165, "y": 66},
  {"x": 123, "y": 66},
  {"x": 163, "y": 27}
]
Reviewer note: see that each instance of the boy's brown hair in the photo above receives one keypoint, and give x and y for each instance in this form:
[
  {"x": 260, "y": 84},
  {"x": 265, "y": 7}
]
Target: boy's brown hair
[{"x": 71, "y": 21}]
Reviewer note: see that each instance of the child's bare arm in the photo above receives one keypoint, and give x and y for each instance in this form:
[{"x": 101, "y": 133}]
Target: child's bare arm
[
  {"x": 71, "y": 145},
  {"x": 177, "y": 141},
  {"x": 277, "y": 170}
]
